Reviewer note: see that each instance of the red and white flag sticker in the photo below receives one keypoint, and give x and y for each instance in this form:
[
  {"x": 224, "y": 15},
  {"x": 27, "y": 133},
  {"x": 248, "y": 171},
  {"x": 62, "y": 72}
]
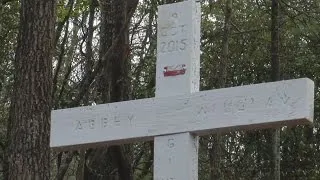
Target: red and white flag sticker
[{"x": 174, "y": 70}]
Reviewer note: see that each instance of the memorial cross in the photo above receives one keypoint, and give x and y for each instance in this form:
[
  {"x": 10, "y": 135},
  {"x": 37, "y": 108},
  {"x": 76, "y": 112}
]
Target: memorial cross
[{"x": 179, "y": 113}]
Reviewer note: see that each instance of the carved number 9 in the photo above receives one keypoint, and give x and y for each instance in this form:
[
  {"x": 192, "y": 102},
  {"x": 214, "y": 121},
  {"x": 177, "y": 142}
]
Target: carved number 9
[
  {"x": 170, "y": 143},
  {"x": 91, "y": 124}
]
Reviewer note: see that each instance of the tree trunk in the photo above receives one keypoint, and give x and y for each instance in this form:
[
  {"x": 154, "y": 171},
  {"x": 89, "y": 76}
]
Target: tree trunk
[
  {"x": 275, "y": 76},
  {"x": 118, "y": 68},
  {"x": 275, "y": 38},
  {"x": 114, "y": 83},
  {"x": 106, "y": 36},
  {"x": 216, "y": 151},
  {"x": 29, "y": 152}
]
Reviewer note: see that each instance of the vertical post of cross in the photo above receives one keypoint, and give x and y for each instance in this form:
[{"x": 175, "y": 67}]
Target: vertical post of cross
[{"x": 178, "y": 72}]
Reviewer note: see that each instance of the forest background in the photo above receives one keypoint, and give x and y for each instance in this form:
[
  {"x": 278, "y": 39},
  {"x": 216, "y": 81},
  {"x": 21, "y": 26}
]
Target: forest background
[{"x": 73, "y": 53}]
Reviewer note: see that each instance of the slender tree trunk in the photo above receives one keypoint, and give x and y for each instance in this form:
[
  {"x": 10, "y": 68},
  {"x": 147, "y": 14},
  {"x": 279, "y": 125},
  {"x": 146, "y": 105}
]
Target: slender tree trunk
[
  {"x": 103, "y": 86},
  {"x": 216, "y": 151},
  {"x": 118, "y": 71},
  {"x": 106, "y": 37},
  {"x": 275, "y": 76},
  {"x": 29, "y": 152},
  {"x": 275, "y": 38},
  {"x": 113, "y": 83},
  {"x": 88, "y": 55}
]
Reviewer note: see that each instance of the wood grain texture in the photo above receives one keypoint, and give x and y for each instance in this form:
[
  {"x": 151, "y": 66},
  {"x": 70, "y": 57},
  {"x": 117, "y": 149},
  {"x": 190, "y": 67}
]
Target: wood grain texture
[{"x": 246, "y": 107}]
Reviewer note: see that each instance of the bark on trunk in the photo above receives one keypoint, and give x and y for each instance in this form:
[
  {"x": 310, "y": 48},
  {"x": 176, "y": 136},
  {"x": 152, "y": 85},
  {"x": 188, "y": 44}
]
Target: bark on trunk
[
  {"x": 118, "y": 79},
  {"x": 275, "y": 76},
  {"x": 113, "y": 83},
  {"x": 29, "y": 152}
]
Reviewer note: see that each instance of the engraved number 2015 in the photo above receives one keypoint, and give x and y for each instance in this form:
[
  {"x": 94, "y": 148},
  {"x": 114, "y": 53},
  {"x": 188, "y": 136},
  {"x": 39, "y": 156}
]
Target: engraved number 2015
[{"x": 173, "y": 46}]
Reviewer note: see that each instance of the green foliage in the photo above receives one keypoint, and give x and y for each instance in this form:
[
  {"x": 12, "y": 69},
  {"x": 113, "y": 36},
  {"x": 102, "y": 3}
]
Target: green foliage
[
  {"x": 78, "y": 8},
  {"x": 246, "y": 154},
  {"x": 9, "y": 15}
]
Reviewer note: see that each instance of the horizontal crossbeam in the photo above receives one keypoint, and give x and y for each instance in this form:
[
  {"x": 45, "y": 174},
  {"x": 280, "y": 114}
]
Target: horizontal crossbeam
[{"x": 265, "y": 105}]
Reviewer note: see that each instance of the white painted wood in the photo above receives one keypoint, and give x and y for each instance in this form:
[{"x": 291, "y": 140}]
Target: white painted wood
[
  {"x": 178, "y": 44},
  {"x": 246, "y": 107},
  {"x": 176, "y": 157}
]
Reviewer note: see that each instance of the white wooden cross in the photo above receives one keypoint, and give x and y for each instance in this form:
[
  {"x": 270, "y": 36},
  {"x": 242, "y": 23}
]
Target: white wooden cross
[{"x": 179, "y": 113}]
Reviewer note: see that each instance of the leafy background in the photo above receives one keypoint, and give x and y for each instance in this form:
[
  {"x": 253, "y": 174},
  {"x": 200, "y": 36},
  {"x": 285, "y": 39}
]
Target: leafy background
[{"x": 243, "y": 155}]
